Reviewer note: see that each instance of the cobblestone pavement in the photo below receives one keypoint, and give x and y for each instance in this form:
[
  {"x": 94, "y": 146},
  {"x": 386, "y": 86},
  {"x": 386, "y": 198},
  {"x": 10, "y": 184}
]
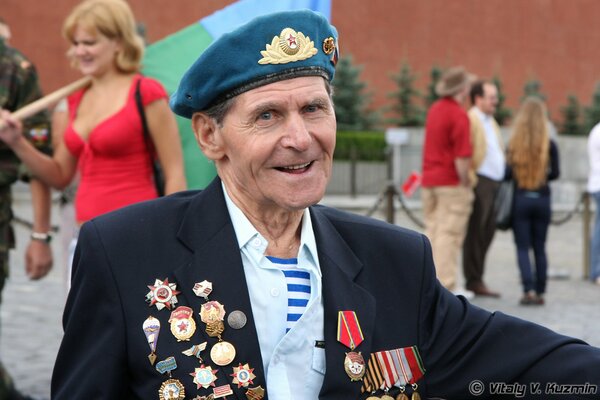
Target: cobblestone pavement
[{"x": 31, "y": 311}]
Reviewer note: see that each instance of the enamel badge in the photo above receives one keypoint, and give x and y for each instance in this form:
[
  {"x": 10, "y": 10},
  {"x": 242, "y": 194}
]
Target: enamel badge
[
  {"x": 222, "y": 391},
  {"x": 204, "y": 376},
  {"x": 171, "y": 389},
  {"x": 242, "y": 375},
  {"x": 162, "y": 294},
  {"x": 182, "y": 323},
  {"x": 203, "y": 289},
  {"x": 195, "y": 351},
  {"x": 151, "y": 327}
]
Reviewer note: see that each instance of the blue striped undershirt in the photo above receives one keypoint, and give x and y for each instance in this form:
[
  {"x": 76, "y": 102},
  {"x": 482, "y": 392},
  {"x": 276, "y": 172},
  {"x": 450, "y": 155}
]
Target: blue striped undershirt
[{"x": 298, "y": 287}]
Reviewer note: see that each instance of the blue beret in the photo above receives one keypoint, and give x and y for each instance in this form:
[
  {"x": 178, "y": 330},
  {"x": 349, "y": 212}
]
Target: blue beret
[{"x": 267, "y": 49}]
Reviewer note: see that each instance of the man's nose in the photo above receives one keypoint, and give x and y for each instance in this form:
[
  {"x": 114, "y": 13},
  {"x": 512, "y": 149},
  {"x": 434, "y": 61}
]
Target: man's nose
[{"x": 297, "y": 135}]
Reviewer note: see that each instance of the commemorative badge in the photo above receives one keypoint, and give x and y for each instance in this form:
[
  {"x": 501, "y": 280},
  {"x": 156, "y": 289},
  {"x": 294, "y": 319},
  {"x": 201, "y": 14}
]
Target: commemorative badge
[
  {"x": 350, "y": 335},
  {"x": 151, "y": 327},
  {"x": 162, "y": 294},
  {"x": 195, "y": 351},
  {"x": 203, "y": 289},
  {"x": 222, "y": 391},
  {"x": 171, "y": 389},
  {"x": 204, "y": 376},
  {"x": 212, "y": 314},
  {"x": 182, "y": 323},
  {"x": 257, "y": 393},
  {"x": 242, "y": 375}
]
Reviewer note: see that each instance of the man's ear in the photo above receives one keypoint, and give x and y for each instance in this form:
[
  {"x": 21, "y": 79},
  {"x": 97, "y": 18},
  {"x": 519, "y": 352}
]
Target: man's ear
[{"x": 207, "y": 136}]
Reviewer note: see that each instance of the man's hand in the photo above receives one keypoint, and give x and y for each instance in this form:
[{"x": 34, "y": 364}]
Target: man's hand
[{"x": 38, "y": 259}]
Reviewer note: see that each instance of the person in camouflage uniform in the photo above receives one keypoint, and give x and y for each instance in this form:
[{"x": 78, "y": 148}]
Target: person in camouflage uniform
[{"x": 18, "y": 87}]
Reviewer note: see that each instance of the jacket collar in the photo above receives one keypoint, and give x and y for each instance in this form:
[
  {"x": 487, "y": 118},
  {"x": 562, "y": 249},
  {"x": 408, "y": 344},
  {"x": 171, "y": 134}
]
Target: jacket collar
[{"x": 207, "y": 231}]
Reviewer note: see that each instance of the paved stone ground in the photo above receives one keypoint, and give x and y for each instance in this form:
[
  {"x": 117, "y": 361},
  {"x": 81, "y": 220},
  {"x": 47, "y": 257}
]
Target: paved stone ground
[{"x": 31, "y": 311}]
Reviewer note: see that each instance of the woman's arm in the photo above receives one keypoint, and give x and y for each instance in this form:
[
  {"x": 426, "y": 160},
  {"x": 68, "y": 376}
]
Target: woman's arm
[
  {"x": 56, "y": 171},
  {"x": 165, "y": 136}
]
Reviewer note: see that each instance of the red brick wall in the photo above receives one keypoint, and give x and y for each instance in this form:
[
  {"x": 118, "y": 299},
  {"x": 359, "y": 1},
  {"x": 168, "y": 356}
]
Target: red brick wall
[{"x": 554, "y": 41}]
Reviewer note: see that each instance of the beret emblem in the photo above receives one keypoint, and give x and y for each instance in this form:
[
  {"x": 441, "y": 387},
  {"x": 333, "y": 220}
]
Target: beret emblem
[
  {"x": 289, "y": 46},
  {"x": 328, "y": 45}
]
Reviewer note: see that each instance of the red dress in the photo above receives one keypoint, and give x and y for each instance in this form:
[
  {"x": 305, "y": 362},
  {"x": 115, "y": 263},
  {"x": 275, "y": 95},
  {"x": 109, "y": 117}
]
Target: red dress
[{"x": 114, "y": 163}]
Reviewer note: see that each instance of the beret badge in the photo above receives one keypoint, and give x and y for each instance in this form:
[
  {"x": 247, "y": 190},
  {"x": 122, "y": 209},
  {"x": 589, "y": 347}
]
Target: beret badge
[{"x": 289, "y": 46}]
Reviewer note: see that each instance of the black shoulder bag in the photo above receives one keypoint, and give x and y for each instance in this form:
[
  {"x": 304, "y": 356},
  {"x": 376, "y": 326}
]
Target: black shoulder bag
[{"x": 159, "y": 178}]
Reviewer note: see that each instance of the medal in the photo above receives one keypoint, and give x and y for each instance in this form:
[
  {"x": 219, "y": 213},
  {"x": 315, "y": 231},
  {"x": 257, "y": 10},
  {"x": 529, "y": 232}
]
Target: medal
[
  {"x": 387, "y": 397},
  {"x": 212, "y": 314},
  {"x": 350, "y": 335},
  {"x": 237, "y": 319},
  {"x": 242, "y": 375},
  {"x": 257, "y": 393},
  {"x": 354, "y": 365},
  {"x": 182, "y": 323},
  {"x": 162, "y": 294},
  {"x": 222, "y": 391},
  {"x": 195, "y": 351},
  {"x": 171, "y": 389},
  {"x": 151, "y": 327},
  {"x": 222, "y": 353},
  {"x": 401, "y": 367},
  {"x": 204, "y": 376},
  {"x": 373, "y": 378}
]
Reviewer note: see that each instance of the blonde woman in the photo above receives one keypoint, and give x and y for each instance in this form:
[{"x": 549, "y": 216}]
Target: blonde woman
[
  {"x": 532, "y": 162},
  {"x": 104, "y": 139}
]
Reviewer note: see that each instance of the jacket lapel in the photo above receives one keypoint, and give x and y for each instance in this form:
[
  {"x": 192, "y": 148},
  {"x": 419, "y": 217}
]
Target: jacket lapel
[
  {"x": 217, "y": 259},
  {"x": 340, "y": 267}
]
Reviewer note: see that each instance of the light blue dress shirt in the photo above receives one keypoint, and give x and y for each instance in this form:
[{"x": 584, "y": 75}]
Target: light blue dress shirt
[{"x": 294, "y": 366}]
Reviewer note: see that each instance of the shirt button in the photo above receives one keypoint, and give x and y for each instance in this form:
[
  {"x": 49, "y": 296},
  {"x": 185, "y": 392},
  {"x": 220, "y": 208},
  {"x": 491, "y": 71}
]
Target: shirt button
[
  {"x": 256, "y": 242},
  {"x": 274, "y": 292}
]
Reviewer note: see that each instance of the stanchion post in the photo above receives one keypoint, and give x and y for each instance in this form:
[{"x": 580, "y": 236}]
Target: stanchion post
[
  {"x": 587, "y": 214},
  {"x": 390, "y": 189}
]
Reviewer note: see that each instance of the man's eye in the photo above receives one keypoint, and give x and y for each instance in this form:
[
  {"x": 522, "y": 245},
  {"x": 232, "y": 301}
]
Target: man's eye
[{"x": 265, "y": 116}]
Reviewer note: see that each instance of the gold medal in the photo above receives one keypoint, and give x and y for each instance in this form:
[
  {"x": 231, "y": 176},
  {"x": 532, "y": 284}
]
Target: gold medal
[
  {"x": 222, "y": 353},
  {"x": 354, "y": 365},
  {"x": 402, "y": 396},
  {"x": 171, "y": 389},
  {"x": 387, "y": 397}
]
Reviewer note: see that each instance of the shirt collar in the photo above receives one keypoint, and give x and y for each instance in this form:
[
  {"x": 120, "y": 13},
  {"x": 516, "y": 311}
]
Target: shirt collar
[
  {"x": 481, "y": 114},
  {"x": 245, "y": 231}
]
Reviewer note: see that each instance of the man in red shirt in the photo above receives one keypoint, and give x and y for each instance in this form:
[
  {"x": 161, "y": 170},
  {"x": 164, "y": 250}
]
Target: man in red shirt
[{"x": 447, "y": 194}]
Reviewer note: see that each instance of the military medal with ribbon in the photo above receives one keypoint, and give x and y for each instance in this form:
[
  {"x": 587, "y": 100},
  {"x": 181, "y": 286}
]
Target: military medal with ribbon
[
  {"x": 162, "y": 294},
  {"x": 151, "y": 327},
  {"x": 171, "y": 389},
  {"x": 401, "y": 367},
  {"x": 350, "y": 335}
]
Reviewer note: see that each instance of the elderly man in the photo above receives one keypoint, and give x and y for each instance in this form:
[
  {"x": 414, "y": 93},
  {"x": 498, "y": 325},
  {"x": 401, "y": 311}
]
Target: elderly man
[{"x": 249, "y": 290}]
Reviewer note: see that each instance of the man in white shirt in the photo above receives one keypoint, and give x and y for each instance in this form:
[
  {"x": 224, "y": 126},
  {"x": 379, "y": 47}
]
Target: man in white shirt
[{"x": 489, "y": 166}]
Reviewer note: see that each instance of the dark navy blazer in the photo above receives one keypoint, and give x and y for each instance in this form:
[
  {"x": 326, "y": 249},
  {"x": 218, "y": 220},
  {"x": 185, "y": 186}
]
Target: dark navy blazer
[{"x": 382, "y": 272}]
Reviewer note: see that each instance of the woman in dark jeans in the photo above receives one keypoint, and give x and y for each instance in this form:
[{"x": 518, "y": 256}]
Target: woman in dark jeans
[{"x": 532, "y": 161}]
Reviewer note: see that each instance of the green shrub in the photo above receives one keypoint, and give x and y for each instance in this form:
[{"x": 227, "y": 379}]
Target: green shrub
[{"x": 369, "y": 145}]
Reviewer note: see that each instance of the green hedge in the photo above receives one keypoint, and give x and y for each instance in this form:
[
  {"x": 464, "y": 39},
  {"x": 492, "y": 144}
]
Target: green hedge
[{"x": 369, "y": 145}]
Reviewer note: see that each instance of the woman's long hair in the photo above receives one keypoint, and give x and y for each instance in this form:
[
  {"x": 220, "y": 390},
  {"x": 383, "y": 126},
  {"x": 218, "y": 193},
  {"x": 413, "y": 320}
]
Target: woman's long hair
[{"x": 528, "y": 147}]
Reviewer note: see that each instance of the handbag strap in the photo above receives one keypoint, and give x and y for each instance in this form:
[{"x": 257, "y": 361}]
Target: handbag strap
[{"x": 142, "y": 112}]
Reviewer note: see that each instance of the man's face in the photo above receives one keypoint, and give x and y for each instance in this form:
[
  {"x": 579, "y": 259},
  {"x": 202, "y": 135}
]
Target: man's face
[
  {"x": 275, "y": 146},
  {"x": 488, "y": 102}
]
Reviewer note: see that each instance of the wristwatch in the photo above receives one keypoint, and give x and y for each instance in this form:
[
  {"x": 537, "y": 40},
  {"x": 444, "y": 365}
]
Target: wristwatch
[{"x": 42, "y": 237}]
